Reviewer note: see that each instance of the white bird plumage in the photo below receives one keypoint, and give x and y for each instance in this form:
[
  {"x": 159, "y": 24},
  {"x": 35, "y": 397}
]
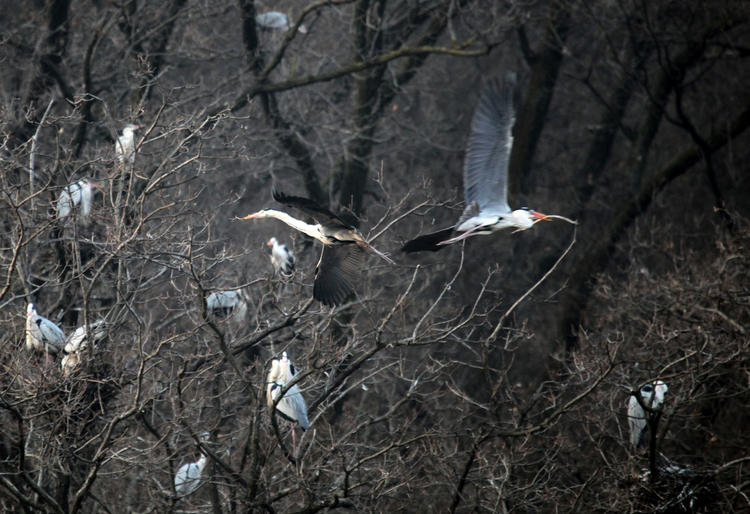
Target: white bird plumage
[
  {"x": 125, "y": 144},
  {"x": 282, "y": 258},
  {"x": 188, "y": 477},
  {"x": 291, "y": 406},
  {"x": 42, "y": 334},
  {"x": 77, "y": 342},
  {"x": 275, "y": 20},
  {"x": 79, "y": 193},
  {"x": 485, "y": 175},
  {"x": 652, "y": 396},
  {"x": 223, "y": 304}
]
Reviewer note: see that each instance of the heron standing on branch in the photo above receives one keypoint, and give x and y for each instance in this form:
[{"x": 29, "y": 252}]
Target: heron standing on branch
[
  {"x": 42, "y": 334},
  {"x": 652, "y": 396},
  {"x": 292, "y": 406}
]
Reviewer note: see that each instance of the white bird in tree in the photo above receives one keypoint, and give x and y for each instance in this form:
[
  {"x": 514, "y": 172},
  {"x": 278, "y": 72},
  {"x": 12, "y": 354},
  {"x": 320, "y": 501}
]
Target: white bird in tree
[
  {"x": 125, "y": 145},
  {"x": 275, "y": 20},
  {"x": 223, "y": 304},
  {"x": 42, "y": 334},
  {"x": 80, "y": 193},
  {"x": 188, "y": 477},
  {"x": 342, "y": 259},
  {"x": 282, "y": 258},
  {"x": 652, "y": 396},
  {"x": 485, "y": 175},
  {"x": 77, "y": 342},
  {"x": 291, "y": 406}
]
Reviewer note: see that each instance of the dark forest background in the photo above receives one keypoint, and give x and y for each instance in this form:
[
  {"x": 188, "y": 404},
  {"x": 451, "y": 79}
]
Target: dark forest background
[{"x": 489, "y": 377}]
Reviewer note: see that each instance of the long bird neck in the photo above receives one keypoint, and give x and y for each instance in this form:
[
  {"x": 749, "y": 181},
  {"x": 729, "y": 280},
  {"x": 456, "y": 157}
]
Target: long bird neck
[{"x": 305, "y": 228}]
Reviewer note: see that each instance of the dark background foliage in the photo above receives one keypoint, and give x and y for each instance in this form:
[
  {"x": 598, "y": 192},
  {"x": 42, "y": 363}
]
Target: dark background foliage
[{"x": 489, "y": 377}]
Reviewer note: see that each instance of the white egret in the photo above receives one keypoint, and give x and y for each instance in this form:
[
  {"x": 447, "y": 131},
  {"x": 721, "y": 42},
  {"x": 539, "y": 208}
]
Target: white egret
[
  {"x": 342, "y": 259},
  {"x": 485, "y": 175}
]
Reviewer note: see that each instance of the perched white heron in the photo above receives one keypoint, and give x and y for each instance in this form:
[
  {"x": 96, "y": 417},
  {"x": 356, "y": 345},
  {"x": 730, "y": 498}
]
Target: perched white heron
[
  {"x": 275, "y": 20},
  {"x": 223, "y": 304},
  {"x": 652, "y": 396},
  {"x": 77, "y": 342},
  {"x": 188, "y": 477},
  {"x": 42, "y": 334},
  {"x": 80, "y": 193},
  {"x": 292, "y": 406},
  {"x": 125, "y": 145},
  {"x": 342, "y": 259},
  {"x": 282, "y": 258},
  {"x": 485, "y": 175}
]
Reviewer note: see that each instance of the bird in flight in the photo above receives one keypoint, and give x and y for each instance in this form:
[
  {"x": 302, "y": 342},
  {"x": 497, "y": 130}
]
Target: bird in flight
[
  {"x": 485, "y": 175},
  {"x": 342, "y": 259}
]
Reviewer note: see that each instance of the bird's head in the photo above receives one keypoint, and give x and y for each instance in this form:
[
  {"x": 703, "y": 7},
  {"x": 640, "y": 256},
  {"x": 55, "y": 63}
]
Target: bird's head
[
  {"x": 525, "y": 218},
  {"x": 30, "y": 310},
  {"x": 272, "y": 242},
  {"x": 130, "y": 127}
]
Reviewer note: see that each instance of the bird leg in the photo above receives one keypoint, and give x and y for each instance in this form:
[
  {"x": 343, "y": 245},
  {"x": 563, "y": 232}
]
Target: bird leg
[
  {"x": 294, "y": 443},
  {"x": 376, "y": 252},
  {"x": 464, "y": 235}
]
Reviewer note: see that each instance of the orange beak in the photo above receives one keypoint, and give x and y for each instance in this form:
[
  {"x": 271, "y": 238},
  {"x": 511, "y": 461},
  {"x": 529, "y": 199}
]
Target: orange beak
[
  {"x": 269, "y": 243},
  {"x": 539, "y": 215},
  {"x": 250, "y": 216}
]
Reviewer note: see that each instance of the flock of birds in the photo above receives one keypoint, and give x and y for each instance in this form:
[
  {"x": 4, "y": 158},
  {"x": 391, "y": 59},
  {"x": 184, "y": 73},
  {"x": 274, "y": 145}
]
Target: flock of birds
[{"x": 342, "y": 258}]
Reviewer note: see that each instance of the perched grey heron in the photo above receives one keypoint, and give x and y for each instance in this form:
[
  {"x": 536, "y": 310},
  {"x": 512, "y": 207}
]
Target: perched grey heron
[
  {"x": 652, "y": 396},
  {"x": 275, "y": 20},
  {"x": 223, "y": 304},
  {"x": 42, "y": 334},
  {"x": 282, "y": 258},
  {"x": 125, "y": 145},
  {"x": 292, "y": 406},
  {"x": 188, "y": 477},
  {"x": 342, "y": 259},
  {"x": 485, "y": 175},
  {"x": 77, "y": 342},
  {"x": 80, "y": 193}
]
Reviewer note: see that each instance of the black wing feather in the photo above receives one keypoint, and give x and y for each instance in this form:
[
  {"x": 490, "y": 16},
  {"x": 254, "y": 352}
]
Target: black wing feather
[
  {"x": 310, "y": 207},
  {"x": 335, "y": 276},
  {"x": 428, "y": 242}
]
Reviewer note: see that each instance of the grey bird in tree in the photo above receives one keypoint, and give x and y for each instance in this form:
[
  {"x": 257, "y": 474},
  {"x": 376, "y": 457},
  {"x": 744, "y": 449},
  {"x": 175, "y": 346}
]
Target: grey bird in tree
[
  {"x": 78, "y": 194},
  {"x": 292, "y": 406},
  {"x": 652, "y": 396},
  {"x": 42, "y": 334},
  {"x": 188, "y": 477},
  {"x": 223, "y": 304},
  {"x": 125, "y": 145},
  {"x": 342, "y": 259},
  {"x": 485, "y": 175},
  {"x": 275, "y": 20},
  {"x": 77, "y": 342},
  {"x": 282, "y": 258}
]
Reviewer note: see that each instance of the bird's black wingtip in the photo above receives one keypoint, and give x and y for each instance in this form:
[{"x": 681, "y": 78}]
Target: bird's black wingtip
[{"x": 428, "y": 242}]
